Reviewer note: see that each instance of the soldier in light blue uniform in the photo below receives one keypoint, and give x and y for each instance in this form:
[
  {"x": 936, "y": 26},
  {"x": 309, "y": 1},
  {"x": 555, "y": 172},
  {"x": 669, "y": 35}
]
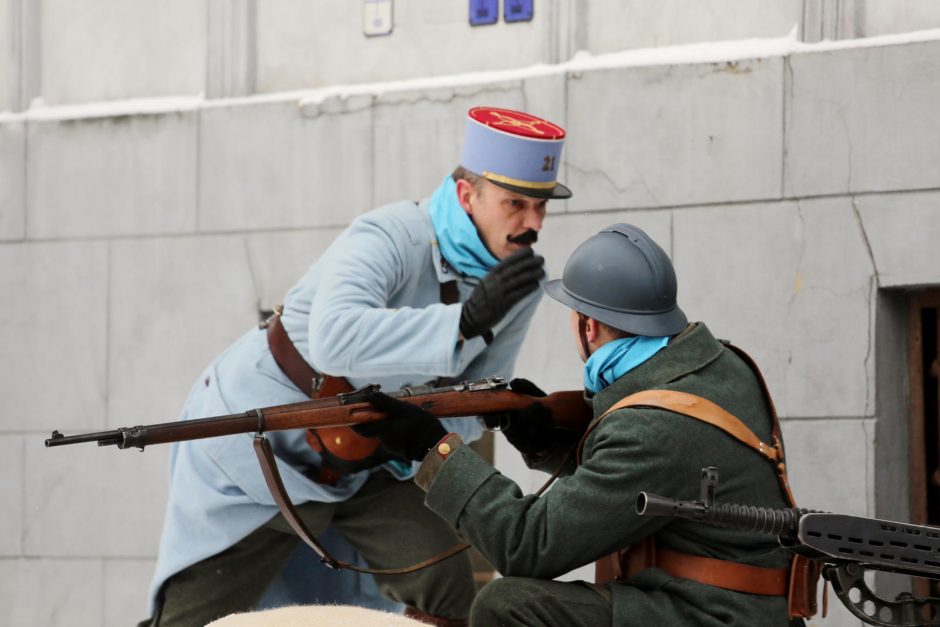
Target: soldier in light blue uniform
[{"x": 368, "y": 310}]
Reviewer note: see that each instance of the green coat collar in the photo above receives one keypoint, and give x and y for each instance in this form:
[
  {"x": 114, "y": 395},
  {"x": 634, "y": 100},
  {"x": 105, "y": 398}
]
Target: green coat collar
[{"x": 691, "y": 350}]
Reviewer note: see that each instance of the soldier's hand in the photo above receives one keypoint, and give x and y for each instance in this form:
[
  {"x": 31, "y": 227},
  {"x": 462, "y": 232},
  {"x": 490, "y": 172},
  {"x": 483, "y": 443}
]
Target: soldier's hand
[
  {"x": 529, "y": 429},
  {"x": 514, "y": 278},
  {"x": 408, "y": 432}
]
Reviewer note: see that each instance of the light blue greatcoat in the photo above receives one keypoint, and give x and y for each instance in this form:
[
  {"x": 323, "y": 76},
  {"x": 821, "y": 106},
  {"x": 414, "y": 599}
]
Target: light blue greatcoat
[{"x": 369, "y": 309}]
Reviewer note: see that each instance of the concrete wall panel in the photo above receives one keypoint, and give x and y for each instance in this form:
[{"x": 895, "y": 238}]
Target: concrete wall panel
[
  {"x": 887, "y": 18},
  {"x": 271, "y": 166},
  {"x": 614, "y": 25},
  {"x": 125, "y": 590},
  {"x": 94, "y": 50},
  {"x": 418, "y": 136},
  {"x": 336, "y": 176},
  {"x": 176, "y": 304},
  {"x": 12, "y": 179},
  {"x": 904, "y": 254},
  {"x": 112, "y": 176},
  {"x": 278, "y": 260},
  {"x": 112, "y": 500},
  {"x": 52, "y": 593},
  {"x": 830, "y": 464},
  {"x": 12, "y": 495},
  {"x": 9, "y": 72},
  {"x": 856, "y": 120},
  {"x": 53, "y": 334},
  {"x": 249, "y": 163},
  {"x": 803, "y": 311},
  {"x": 309, "y": 44},
  {"x": 634, "y": 142}
]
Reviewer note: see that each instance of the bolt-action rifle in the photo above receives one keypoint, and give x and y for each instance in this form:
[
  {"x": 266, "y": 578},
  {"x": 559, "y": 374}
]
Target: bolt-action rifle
[
  {"x": 846, "y": 546},
  {"x": 472, "y": 398}
]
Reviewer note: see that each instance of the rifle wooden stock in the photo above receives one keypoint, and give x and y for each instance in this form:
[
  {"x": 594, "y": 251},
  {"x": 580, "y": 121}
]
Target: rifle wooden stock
[{"x": 569, "y": 410}]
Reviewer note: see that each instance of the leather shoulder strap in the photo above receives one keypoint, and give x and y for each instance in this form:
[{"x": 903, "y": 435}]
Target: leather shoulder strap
[
  {"x": 703, "y": 409},
  {"x": 700, "y": 409},
  {"x": 776, "y": 434}
]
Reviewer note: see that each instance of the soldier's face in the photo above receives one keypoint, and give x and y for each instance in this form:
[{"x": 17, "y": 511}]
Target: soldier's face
[{"x": 506, "y": 221}]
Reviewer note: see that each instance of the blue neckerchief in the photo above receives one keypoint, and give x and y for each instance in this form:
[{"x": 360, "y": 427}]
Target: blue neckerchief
[
  {"x": 456, "y": 235},
  {"x": 404, "y": 468},
  {"x": 618, "y": 357}
]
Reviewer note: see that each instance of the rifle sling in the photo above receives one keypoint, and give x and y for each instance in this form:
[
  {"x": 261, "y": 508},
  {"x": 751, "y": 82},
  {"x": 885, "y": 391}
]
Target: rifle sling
[
  {"x": 272, "y": 477},
  {"x": 312, "y": 383}
]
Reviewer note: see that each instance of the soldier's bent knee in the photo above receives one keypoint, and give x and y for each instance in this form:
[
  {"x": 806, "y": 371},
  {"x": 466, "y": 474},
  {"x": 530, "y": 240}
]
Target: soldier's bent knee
[{"x": 494, "y": 604}]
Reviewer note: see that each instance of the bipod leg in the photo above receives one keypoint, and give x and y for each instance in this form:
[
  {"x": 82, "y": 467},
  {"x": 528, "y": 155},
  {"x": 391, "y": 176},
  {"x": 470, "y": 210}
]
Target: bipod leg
[{"x": 905, "y": 611}]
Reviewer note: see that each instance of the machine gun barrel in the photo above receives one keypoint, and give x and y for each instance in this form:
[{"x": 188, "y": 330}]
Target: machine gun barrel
[{"x": 778, "y": 522}]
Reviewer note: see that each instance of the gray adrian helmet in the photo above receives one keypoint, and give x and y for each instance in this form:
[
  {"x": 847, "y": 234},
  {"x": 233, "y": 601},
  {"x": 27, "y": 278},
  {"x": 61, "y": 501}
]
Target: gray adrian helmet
[{"x": 624, "y": 279}]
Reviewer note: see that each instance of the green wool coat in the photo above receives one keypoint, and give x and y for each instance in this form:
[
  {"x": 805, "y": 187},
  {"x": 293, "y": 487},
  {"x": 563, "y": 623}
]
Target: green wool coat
[{"x": 590, "y": 511}]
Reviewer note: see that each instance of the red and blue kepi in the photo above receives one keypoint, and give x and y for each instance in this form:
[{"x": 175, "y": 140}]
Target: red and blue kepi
[{"x": 514, "y": 150}]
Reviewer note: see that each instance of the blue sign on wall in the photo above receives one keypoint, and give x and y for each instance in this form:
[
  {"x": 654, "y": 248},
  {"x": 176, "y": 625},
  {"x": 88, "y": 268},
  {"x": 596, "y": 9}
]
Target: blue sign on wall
[
  {"x": 483, "y": 12},
  {"x": 518, "y": 10}
]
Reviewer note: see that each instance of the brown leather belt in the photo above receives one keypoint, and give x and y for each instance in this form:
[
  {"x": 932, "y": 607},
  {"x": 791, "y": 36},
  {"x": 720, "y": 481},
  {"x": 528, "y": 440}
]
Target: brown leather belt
[
  {"x": 623, "y": 565},
  {"x": 289, "y": 359},
  {"x": 724, "y": 574}
]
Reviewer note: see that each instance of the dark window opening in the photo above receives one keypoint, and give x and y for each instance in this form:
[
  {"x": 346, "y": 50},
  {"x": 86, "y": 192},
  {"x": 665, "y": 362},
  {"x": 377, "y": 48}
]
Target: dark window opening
[{"x": 924, "y": 414}]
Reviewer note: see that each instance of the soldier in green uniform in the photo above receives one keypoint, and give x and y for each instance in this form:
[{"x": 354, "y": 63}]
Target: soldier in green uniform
[{"x": 621, "y": 288}]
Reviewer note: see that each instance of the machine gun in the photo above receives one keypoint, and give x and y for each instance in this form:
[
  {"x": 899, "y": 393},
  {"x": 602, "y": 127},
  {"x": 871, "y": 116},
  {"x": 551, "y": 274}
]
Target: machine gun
[{"x": 846, "y": 546}]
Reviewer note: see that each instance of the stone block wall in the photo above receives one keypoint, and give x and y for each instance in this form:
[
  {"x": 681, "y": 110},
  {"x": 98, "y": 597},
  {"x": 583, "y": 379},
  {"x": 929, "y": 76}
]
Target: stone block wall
[
  {"x": 75, "y": 51},
  {"x": 798, "y": 196}
]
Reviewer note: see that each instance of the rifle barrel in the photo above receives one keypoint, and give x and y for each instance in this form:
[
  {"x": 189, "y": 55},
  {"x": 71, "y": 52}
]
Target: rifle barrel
[
  {"x": 468, "y": 398},
  {"x": 104, "y": 438}
]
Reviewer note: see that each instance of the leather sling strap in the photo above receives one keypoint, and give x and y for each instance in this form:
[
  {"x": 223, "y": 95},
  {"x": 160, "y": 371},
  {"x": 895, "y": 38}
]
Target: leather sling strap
[
  {"x": 273, "y": 478},
  {"x": 301, "y": 374}
]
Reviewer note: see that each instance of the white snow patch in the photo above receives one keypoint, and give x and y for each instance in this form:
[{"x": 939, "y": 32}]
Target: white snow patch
[{"x": 709, "y": 52}]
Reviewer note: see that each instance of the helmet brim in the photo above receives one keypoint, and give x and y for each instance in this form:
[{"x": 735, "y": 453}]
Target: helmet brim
[{"x": 670, "y": 322}]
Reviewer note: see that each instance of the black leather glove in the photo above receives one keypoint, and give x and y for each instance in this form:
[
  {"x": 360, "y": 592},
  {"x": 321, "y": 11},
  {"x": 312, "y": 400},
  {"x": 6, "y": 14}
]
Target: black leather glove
[
  {"x": 514, "y": 278},
  {"x": 529, "y": 429},
  {"x": 409, "y": 432}
]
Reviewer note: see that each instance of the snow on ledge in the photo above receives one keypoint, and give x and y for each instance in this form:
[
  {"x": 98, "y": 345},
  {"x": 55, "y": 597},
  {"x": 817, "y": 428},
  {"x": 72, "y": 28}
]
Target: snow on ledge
[{"x": 708, "y": 52}]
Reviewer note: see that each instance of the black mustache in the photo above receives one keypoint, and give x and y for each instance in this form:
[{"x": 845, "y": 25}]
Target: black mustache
[{"x": 527, "y": 238}]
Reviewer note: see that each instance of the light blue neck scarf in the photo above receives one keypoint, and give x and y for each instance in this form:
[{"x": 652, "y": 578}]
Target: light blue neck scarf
[
  {"x": 618, "y": 357},
  {"x": 456, "y": 235}
]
